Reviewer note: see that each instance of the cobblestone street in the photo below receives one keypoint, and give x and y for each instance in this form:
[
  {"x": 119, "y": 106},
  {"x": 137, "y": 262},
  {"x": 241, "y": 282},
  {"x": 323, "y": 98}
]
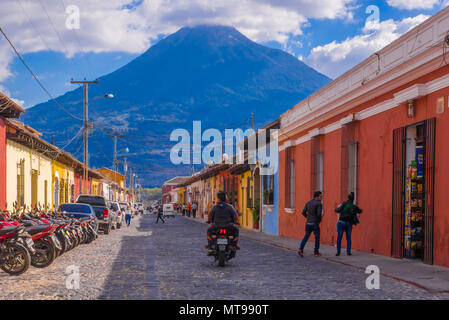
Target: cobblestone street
[{"x": 168, "y": 261}]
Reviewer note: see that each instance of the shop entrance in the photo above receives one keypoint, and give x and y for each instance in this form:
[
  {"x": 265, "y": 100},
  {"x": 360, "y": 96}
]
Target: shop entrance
[{"x": 413, "y": 191}]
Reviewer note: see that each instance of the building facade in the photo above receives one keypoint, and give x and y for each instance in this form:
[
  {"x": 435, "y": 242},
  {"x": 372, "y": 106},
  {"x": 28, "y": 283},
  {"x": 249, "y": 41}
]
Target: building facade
[{"x": 379, "y": 131}]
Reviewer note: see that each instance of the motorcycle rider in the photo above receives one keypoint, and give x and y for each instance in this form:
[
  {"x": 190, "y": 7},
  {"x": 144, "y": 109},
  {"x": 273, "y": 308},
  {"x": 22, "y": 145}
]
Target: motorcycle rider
[{"x": 222, "y": 215}]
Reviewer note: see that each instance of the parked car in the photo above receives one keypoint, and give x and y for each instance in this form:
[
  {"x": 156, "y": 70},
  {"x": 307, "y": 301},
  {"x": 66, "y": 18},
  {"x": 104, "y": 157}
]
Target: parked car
[
  {"x": 168, "y": 210},
  {"x": 105, "y": 217},
  {"x": 140, "y": 208},
  {"x": 115, "y": 207},
  {"x": 79, "y": 210}
]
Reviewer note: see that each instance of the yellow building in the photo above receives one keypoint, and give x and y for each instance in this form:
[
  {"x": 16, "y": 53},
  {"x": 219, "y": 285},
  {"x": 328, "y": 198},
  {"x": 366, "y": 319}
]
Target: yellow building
[
  {"x": 63, "y": 183},
  {"x": 116, "y": 184},
  {"x": 29, "y": 167}
]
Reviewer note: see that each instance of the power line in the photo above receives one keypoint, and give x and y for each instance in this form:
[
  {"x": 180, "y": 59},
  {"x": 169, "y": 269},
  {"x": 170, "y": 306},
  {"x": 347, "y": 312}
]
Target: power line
[
  {"x": 77, "y": 135},
  {"x": 37, "y": 79}
]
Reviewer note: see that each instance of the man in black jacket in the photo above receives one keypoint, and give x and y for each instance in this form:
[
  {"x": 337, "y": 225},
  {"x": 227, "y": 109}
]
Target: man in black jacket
[
  {"x": 313, "y": 211},
  {"x": 222, "y": 215}
]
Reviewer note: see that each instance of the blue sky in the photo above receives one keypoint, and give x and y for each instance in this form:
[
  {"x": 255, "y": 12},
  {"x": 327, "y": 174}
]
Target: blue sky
[{"x": 330, "y": 35}]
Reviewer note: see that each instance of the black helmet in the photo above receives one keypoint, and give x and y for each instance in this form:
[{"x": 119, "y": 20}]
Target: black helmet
[{"x": 221, "y": 195}]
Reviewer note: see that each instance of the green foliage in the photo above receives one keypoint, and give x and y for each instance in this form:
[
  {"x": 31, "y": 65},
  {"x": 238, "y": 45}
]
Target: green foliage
[
  {"x": 153, "y": 193},
  {"x": 256, "y": 210}
]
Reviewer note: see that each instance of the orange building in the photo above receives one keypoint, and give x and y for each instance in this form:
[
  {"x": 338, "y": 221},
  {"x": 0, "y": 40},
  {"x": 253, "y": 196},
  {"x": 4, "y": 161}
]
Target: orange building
[{"x": 381, "y": 131}]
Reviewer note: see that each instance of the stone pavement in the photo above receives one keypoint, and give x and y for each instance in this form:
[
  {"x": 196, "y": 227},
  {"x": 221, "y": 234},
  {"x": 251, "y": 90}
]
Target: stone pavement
[
  {"x": 168, "y": 261},
  {"x": 434, "y": 279}
]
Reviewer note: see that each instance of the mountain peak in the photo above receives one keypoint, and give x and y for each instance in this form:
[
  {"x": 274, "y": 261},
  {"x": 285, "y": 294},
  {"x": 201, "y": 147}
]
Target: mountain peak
[
  {"x": 217, "y": 34},
  {"x": 211, "y": 73}
]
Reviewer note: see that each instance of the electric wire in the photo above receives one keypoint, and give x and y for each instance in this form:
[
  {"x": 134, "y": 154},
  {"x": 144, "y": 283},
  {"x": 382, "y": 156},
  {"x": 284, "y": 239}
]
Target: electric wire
[{"x": 36, "y": 78}]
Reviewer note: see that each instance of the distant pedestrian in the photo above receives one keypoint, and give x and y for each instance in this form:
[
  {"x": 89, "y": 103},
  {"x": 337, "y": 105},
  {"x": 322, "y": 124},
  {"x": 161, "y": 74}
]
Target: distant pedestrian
[
  {"x": 194, "y": 208},
  {"x": 347, "y": 217},
  {"x": 128, "y": 215},
  {"x": 184, "y": 209},
  {"x": 160, "y": 214},
  {"x": 313, "y": 211},
  {"x": 189, "y": 209}
]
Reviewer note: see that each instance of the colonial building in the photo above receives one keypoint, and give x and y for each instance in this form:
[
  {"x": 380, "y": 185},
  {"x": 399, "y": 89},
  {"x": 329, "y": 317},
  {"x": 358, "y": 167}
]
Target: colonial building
[{"x": 381, "y": 131}]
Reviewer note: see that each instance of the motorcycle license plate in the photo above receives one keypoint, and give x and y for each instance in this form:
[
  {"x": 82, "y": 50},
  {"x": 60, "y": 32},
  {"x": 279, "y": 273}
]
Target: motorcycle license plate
[
  {"x": 29, "y": 242},
  {"x": 222, "y": 241}
]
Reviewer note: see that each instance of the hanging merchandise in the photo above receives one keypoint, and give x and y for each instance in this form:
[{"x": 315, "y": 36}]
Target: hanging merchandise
[
  {"x": 414, "y": 195},
  {"x": 419, "y": 161}
]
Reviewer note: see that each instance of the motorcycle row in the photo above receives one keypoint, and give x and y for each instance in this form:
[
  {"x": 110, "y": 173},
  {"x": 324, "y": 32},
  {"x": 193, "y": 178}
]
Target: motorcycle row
[{"x": 37, "y": 237}]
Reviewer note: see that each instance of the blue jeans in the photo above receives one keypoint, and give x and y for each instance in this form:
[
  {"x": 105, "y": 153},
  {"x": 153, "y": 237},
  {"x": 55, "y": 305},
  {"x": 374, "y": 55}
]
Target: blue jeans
[
  {"x": 128, "y": 219},
  {"x": 343, "y": 227},
  {"x": 315, "y": 228}
]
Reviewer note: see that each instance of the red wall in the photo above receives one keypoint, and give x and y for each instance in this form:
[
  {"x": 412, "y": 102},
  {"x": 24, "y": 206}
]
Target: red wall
[
  {"x": 375, "y": 136},
  {"x": 2, "y": 164}
]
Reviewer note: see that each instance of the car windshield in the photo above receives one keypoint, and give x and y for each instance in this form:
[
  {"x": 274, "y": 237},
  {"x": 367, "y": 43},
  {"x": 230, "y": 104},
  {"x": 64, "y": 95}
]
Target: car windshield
[
  {"x": 92, "y": 200},
  {"x": 114, "y": 206},
  {"x": 78, "y": 208}
]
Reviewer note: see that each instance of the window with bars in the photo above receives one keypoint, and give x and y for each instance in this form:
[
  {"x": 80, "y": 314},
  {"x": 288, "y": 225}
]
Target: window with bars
[
  {"x": 21, "y": 183},
  {"x": 352, "y": 167},
  {"x": 248, "y": 192},
  {"x": 45, "y": 194},
  {"x": 290, "y": 179},
  {"x": 319, "y": 171},
  {"x": 268, "y": 190}
]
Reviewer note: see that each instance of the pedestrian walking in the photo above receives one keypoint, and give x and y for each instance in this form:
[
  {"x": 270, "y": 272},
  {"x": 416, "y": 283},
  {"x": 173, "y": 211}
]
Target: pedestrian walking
[
  {"x": 194, "y": 208},
  {"x": 313, "y": 211},
  {"x": 189, "y": 209},
  {"x": 184, "y": 209},
  {"x": 160, "y": 214},
  {"x": 347, "y": 217},
  {"x": 128, "y": 215}
]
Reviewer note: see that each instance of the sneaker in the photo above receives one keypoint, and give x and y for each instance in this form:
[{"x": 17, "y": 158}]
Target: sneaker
[
  {"x": 349, "y": 254},
  {"x": 317, "y": 254},
  {"x": 337, "y": 254},
  {"x": 301, "y": 253}
]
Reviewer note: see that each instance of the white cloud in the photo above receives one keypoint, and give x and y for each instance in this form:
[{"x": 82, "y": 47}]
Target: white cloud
[
  {"x": 335, "y": 58},
  {"x": 413, "y": 4},
  {"x": 114, "y": 25}
]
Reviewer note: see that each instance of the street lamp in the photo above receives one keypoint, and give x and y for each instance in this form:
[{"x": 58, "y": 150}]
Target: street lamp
[{"x": 86, "y": 136}]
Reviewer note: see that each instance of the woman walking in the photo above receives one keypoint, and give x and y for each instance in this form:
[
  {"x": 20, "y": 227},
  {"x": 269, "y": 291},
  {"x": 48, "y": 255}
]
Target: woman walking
[
  {"x": 128, "y": 215},
  {"x": 347, "y": 217}
]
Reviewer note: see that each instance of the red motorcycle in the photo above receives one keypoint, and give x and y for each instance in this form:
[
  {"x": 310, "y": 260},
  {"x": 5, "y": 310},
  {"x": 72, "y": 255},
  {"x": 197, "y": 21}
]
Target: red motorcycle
[
  {"x": 42, "y": 234},
  {"x": 15, "y": 247}
]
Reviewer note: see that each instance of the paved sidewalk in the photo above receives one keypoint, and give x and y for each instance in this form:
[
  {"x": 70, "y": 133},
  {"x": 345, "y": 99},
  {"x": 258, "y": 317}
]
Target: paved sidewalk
[{"x": 431, "y": 278}]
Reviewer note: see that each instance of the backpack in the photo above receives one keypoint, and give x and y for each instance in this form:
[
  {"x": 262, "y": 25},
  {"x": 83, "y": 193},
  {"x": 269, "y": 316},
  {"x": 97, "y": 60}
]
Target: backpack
[{"x": 353, "y": 210}]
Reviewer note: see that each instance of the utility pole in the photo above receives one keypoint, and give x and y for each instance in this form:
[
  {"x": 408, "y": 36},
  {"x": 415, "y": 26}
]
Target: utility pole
[
  {"x": 115, "y": 161},
  {"x": 85, "y": 84}
]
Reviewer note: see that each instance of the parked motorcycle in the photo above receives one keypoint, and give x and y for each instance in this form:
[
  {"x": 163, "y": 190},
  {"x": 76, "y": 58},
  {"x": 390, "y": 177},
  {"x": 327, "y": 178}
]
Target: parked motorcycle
[{"x": 15, "y": 248}]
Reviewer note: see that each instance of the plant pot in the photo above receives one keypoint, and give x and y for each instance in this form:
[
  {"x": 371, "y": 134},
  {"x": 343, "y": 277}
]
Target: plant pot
[{"x": 256, "y": 225}]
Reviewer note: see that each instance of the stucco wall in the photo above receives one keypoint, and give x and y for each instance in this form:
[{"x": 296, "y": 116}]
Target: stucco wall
[
  {"x": 375, "y": 176},
  {"x": 15, "y": 152}
]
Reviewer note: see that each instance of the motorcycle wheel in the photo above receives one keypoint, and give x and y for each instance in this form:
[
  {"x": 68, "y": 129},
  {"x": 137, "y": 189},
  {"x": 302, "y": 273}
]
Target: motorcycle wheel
[
  {"x": 221, "y": 258},
  {"x": 18, "y": 262},
  {"x": 63, "y": 242},
  {"x": 39, "y": 260}
]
